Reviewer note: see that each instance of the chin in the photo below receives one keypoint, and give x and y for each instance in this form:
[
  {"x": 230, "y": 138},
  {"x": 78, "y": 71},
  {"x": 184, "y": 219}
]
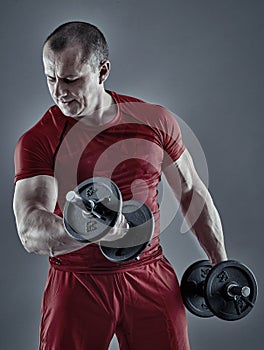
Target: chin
[
  {"x": 70, "y": 109},
  {"x": 69, "y": 113}
]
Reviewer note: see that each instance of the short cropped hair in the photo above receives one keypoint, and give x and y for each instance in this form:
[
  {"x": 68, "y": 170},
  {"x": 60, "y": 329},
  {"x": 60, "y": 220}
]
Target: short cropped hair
[{"x": 88, "y": 36}]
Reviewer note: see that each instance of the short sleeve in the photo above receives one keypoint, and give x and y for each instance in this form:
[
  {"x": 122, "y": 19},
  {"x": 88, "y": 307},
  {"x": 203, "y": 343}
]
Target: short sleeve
[
  {"x": 173, "y": 145},
  {"x": 32, "y": 157}
]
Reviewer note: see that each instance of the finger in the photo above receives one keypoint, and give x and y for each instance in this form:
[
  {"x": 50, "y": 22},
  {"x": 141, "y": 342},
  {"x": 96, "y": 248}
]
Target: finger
[{"x": 124, "y": 222}]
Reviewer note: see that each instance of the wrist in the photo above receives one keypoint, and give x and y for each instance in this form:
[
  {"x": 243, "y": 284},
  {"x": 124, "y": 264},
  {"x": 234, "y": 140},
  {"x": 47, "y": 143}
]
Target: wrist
[{"x": 218, "y": 256}]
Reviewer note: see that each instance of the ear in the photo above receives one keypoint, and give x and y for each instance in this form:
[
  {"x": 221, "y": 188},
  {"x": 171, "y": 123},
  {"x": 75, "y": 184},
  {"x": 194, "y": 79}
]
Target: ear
[{"x": 104, "y": 71}]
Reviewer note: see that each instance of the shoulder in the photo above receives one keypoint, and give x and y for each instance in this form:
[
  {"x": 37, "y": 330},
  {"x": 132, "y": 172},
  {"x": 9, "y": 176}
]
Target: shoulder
[
  {"x": 139, "y": 109},
  {"x": 35, "y": 149},
  {"x": 120, "y": 98},
  {"x": 53, "y": 119},
  {"x": 45, "y": 128},
  {"x": 149, "y": 113}
]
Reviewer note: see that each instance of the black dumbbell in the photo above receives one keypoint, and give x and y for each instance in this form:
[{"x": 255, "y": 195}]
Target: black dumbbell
[
  {"x": 228, "y": 290},
  {"x": 94, "y": 207}
]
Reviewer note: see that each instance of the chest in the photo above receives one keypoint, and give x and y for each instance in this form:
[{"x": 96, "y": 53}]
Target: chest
[{"x": 124, "y": 154}]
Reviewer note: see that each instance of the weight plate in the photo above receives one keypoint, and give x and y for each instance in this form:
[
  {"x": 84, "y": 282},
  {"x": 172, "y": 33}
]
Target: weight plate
[
  {"x": 141, "y": 228},
  {"x": 223, "y": 305},
  {"x": 80, "y": 223},
  {"x": 192, "y": 288}
]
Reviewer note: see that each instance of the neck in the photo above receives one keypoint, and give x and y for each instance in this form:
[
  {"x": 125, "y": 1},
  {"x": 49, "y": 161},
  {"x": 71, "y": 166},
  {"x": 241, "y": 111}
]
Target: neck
[{"x": 104, "y": 111}]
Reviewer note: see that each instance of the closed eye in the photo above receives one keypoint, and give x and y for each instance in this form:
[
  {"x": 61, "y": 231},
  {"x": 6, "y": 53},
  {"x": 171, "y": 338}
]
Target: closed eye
[
  {"x": 69, "y": 81},
  {"x": 51, "y": 79},
  {"x": 65, "y": 80}
]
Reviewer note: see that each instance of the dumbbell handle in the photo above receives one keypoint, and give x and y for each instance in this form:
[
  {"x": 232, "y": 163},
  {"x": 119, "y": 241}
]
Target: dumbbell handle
[
  {"x": 72, "y": 196},
  {"x": 234, "y": 290}
]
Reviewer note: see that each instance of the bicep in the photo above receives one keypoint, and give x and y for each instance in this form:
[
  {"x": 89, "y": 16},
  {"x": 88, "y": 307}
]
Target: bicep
[
  {"x": 182, "y": 175},
  {"x": 38, "y": 192}
]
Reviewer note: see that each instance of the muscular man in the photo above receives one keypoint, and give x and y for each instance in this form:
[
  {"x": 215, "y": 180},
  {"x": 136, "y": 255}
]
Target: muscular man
[{"x": 91, "y": 132}]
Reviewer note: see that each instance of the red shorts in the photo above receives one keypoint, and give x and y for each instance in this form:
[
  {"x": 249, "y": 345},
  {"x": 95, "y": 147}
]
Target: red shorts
[{"x": 142, "y": 306}]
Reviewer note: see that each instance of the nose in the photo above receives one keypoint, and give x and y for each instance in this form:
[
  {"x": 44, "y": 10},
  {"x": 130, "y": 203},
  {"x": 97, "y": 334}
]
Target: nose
[{"x": 59, "y": 89}]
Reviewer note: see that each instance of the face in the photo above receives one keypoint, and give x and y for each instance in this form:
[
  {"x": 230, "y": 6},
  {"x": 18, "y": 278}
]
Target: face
[{"x": 75, "y": 86}]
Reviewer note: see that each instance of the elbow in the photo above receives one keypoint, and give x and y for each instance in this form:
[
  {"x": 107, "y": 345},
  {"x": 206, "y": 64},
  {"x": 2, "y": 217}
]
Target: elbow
[
  {"x": 195, "y": 204},
  {"x": 197, "y": 194},
  {"x": 29, "y": 247},
  {"x": 28, "y": 233},
  {"x": 27, "y": 240},
  {"x": 187, "y": 197}
]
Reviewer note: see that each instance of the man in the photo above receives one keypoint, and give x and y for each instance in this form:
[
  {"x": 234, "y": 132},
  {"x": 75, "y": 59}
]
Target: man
[{"x": 94, "y": 132}]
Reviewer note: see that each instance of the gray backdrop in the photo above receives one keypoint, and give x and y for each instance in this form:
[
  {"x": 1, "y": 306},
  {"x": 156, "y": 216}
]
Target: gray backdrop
[{"x": 202, "y": 59}]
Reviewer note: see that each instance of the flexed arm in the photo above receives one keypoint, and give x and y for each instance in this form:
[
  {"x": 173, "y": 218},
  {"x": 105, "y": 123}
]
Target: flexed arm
[{"x": 39, "y": 229}]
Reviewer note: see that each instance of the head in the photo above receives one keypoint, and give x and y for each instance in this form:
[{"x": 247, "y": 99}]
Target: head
[{"x": 75, "y": 57}]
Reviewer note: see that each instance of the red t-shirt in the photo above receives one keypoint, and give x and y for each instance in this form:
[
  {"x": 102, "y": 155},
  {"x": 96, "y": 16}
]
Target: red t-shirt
[{"x": 132, "y": 150}]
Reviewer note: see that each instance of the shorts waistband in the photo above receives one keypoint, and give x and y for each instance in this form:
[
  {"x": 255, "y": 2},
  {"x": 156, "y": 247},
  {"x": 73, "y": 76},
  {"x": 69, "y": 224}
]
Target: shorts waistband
[{"x": 91, "y": 260}]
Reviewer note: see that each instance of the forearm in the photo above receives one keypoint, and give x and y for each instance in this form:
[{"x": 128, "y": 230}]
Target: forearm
[
  {"x": 42, "y": 232},
  {"x": 204, "y": 220}
]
